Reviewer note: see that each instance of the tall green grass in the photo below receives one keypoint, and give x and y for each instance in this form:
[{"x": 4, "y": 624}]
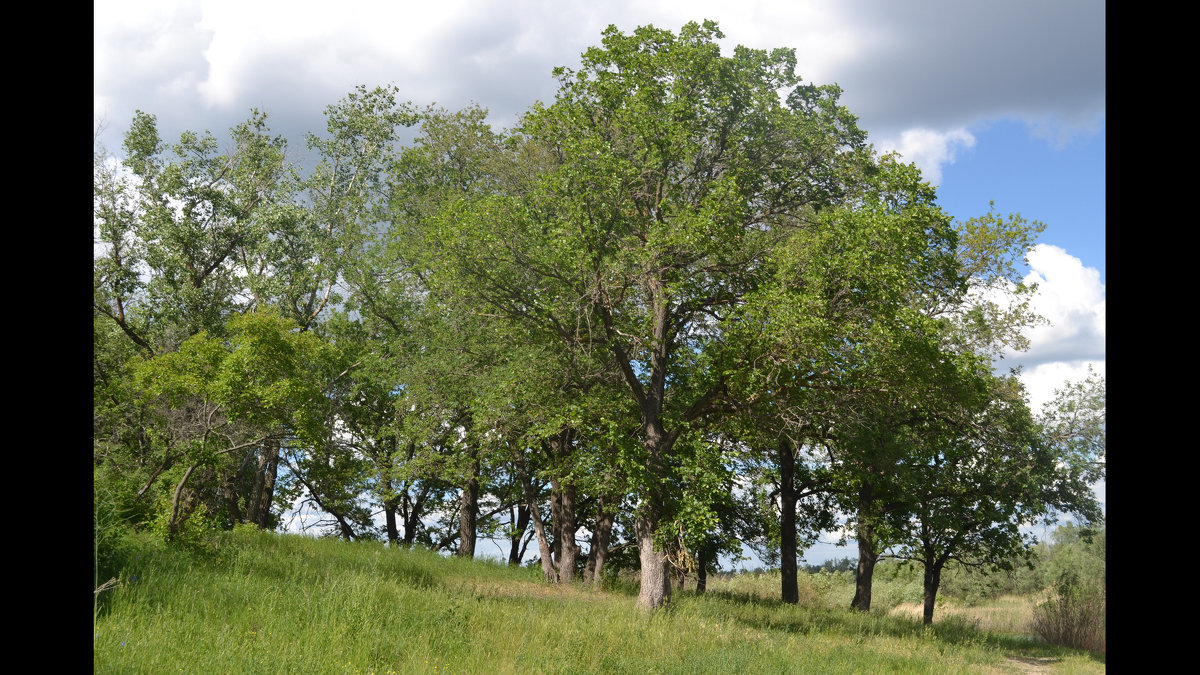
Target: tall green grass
[{"x": 265, "y": 603}]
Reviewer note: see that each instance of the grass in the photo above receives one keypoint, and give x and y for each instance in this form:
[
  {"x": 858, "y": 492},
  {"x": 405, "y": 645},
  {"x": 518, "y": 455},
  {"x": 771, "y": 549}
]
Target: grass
[
  {"x": 267, "y": 603},
  {"x": 1009, "y": 614}
]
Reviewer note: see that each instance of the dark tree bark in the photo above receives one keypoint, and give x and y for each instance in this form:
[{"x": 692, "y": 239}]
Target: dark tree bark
[
  {"x": 601, "y": 539},
  {"x": 655, "y": 588},
  {"x": 411, "y": 509},
  {"x": 787, "y": 522},
  {"x": 347, "y": 531},
  {"x": 867, "y": 556},
  {"x": 389, "y": 514},
  {"x": 539, "y": 525},
  {"x": 262, "y": 492},
  {"x": 933, "y": 577},
  {"x": 564, "y": 531},
  {"x": 706, "y": 556},
  {"x": 468, "y": 511},
  {"x": 558, "y": 448},
  {"x": 520, "y": 514}
]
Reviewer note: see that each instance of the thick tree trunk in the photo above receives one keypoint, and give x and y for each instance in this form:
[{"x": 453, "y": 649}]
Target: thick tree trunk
[
  {"x": 564, "y": 532},
  {"x": 254, "y": 498},
  {"x": 265, "y": 520},
  {"x": 867, "y": 556},
  {"x": 468, "y": 510},
  {"x": 787, "y": 522},
  {"x": 933, "y": 577},
  {"x": 656, "y": 583},
  {"x": 556, "y": 523}
]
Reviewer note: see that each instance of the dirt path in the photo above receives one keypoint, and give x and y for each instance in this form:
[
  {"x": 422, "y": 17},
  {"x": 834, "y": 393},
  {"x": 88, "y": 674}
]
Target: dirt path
[{"x": 1033, "y": 664}]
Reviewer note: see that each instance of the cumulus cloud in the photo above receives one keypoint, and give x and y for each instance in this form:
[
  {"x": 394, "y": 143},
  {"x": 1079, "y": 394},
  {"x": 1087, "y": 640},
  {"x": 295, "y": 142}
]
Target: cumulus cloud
[
  {"x": 201, "y": 64},
  {"x": 929, "y": 149},
  {"x": 1042, "y": 380},
  {"x": 1071, "y": 297}
]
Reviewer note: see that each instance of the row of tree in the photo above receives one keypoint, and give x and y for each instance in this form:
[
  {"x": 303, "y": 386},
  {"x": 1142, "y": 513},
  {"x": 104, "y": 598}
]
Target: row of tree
[{"x": 682, "y": 308}]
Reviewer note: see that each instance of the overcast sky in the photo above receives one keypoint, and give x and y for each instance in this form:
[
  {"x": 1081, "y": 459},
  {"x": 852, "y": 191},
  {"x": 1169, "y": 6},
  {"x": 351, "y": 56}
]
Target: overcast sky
[{"x": 999, "y": 101}]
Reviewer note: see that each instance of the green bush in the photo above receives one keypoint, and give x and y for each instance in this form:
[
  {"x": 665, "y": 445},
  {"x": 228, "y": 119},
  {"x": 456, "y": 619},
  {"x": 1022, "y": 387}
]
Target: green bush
[
  {"x": 115, "y": 516},
  {"x": 1073, "y": 616}
]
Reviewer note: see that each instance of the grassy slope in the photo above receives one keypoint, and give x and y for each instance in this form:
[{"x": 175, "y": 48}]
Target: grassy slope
[{"x": 286, "y": 604}]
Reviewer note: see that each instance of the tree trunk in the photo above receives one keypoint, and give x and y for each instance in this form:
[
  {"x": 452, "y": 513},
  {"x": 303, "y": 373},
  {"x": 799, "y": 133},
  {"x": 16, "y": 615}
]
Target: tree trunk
[
  {"x": 933, "y": 577},
  {"x": 229, "y": 494},
  {"x": 410, "y": 511},
  {"x": 177, "y": 517},
  {"x": 347, "y": 531},
  {"x": 258, "y": 509},
  {"x": 866, "y": 553},
  {"x": 656, "y": 583},
  {"x": 254, "y": 498},
  {"x": 706, "y": 552},
  {"x": 601, "y": 538},
  {"x": 518, "y": 533},
  {"x": 787, "y": 522},
  {"x": 467, "y": 512},
  {"x": 558, "y": 450},
  {"x": 539, "y": 527},
  {"x": 389, "y": 513},
  {"x": 564, "y": 532}
]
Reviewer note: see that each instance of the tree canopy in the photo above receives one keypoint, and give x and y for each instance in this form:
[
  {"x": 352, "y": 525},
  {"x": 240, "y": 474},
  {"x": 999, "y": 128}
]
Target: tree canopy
[{"x": 681, "y": 307}]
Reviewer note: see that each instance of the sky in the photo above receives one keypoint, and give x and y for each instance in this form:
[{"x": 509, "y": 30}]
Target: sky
[{"x": 1001, "y": 101}]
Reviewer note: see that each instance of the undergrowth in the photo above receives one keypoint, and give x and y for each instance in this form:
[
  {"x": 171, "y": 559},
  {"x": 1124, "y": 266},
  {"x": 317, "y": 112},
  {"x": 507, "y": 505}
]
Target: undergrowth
[{"x": 256, "y": 602}]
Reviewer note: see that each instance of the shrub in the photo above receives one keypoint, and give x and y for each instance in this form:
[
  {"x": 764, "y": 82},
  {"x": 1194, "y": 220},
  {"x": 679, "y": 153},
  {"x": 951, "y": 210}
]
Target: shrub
[{"x": 1073, "y": 616}]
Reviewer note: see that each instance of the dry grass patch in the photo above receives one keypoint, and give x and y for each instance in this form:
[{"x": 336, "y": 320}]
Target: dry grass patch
[{"x": 1006, "y": 614}]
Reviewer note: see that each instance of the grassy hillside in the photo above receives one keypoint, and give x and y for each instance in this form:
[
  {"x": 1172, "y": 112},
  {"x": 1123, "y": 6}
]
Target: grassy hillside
[{"x": 265, "y": 603}]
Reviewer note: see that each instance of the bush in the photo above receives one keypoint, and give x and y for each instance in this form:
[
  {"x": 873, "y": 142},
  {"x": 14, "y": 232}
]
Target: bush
[{"x": 1073, "y": 616}]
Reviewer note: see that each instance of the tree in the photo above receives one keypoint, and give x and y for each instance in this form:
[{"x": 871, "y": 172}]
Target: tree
[
  {"x": 675, "y": 171},
  {"x": 973, "y": 478},
  {"x": 833, "y": 339},
  {"x": 1073, "y": 423},
  {"x": 976, "y": 310}
]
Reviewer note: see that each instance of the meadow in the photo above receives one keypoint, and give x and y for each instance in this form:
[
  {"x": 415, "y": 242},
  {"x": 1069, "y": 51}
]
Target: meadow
[{"x": 258, "y": 602}]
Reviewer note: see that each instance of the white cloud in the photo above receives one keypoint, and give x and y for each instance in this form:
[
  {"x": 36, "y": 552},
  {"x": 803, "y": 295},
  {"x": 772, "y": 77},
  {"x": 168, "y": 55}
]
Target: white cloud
[
  {"x": 929, "y": 149},
  {"x": 200, "y": 64},
  {"x": 1071, "y": 297},
  {"x": 1041, "y": 380}
]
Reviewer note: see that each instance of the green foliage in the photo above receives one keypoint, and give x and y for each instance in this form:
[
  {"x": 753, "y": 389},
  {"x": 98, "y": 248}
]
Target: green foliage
[
  {"x": 115, "y": 515},
  {"x": 1073, "y": 615},
  {"x": 1073, "y": 422},
  {"x": 630, "y": 298}
]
